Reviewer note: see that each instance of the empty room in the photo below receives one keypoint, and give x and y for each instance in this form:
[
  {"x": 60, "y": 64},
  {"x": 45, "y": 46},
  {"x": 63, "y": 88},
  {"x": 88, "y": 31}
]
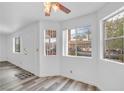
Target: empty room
[{"x": 62, "y": 46}]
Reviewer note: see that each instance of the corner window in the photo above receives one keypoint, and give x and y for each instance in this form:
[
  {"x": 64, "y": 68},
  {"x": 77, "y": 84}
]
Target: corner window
[
  {"x": 16, "y": 45},
  {"x": 50, "y": 42},
  {"x": 114, "y": 37},
  {"x": 77, "y": 42}
]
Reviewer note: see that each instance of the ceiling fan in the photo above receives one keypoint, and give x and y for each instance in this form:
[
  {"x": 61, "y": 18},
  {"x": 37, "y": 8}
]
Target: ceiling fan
[{"x": 48, "y": 6}]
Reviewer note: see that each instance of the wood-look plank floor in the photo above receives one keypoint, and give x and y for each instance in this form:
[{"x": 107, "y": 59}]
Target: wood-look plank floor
[{"x": 10, "y": 82}]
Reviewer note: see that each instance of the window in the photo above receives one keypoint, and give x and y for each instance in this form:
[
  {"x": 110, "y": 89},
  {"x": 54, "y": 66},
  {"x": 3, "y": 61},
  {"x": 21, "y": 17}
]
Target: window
[
  {"x": 50, "y": 42},
  {"x": 114, "y": 37},
  {"x": 16, "y": 44},
  {"x": 77, "y": 42}
]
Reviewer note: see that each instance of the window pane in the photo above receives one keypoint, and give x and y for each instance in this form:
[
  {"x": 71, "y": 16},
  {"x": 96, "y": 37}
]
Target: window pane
[
  {"x": 83, "y": 41},
  {"x": 17, "y": 44},
  {"x": 84, "y": 49},
  {"x": 72, "y": 42},
  {"x": 79, "y": 42},
  {"x": 50, "y": 42},
  {"x": 115, "y": 25},
  {"x": 53, "y": 41},
  {"x": 72, "y": 49},
  {"x": 115, "y": 49}
]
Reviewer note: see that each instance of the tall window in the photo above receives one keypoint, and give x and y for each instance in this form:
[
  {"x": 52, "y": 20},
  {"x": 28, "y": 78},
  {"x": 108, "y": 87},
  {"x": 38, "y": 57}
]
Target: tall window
[
  {"x": 77, "y": 42},
  {"x": 50, "y": 42},
  {"x": 114, "y": 37},
  {"x": 16, "y": 44}
]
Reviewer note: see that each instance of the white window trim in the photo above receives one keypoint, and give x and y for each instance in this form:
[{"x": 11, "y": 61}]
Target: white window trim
[
  {"x": 87, "y": 57},
  {"x": 64, "y": 45},
  {"x": 101, "y": 51}
]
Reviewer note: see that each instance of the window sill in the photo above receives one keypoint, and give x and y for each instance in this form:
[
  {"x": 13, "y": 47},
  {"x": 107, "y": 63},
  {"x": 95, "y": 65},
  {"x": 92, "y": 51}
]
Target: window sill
[
  {"x": 16, "y": 52},
  {"x": 112, "y": 61},
  {"x": 79, "y": 57},
  {"x": 49, "y": 55}
]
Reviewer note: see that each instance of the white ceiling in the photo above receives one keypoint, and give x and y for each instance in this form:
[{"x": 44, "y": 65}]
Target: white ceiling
[{"x": 16, "y": 15}]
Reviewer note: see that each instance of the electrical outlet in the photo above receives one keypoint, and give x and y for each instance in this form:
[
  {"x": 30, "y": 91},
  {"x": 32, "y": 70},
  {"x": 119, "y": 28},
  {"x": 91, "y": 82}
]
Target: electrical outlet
[{"x": 70, "y": 71}]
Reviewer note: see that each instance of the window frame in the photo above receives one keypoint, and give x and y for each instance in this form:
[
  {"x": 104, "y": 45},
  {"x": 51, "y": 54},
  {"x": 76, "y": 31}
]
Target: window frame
[
  {"x": 66, "y": 43},
  {"x": 103, "y": 35}
]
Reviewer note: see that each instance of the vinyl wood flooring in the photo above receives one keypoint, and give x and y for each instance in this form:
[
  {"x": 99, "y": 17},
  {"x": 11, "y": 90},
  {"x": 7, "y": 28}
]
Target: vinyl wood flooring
[{"x": 13, "y": 78}]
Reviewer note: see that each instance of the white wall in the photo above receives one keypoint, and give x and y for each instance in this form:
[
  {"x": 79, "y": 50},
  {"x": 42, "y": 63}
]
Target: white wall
[
  {"x": 105, "y": 75},
  {"x": 3, "y": 47},
  {"x": 29, "y": 41},
  {"x": 111, "y": 75},
  {"x": 32, "y": 37},
  {"x": 83, "y": 68},
  {"x": 49, "y": 65}
]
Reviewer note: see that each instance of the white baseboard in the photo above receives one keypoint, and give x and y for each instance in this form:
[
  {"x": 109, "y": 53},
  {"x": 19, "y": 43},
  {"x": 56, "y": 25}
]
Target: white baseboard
[
  {"x": 3, "y": 59},
  {"x": 90, "y": 83}
]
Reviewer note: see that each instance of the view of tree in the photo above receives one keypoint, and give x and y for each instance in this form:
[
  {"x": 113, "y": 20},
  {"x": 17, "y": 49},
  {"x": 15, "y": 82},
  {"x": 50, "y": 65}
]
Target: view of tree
[{"x": 114, "y": 28}]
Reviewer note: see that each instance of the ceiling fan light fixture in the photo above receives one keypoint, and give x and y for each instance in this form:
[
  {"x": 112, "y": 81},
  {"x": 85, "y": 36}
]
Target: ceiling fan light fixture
[
  {"x": 47, "y": 7},
  {"x": 47, "y": 3},
  {"x": 55, "y": 7},
  {"x": 46, "y": 10}
]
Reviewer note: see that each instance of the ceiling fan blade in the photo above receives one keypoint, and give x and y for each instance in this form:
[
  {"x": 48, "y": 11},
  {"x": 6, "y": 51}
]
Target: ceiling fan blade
[
  {"x": 47, "y": 14},
  {"x": 63, "y": 8},
  {"x": 48, "y": 10}
]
